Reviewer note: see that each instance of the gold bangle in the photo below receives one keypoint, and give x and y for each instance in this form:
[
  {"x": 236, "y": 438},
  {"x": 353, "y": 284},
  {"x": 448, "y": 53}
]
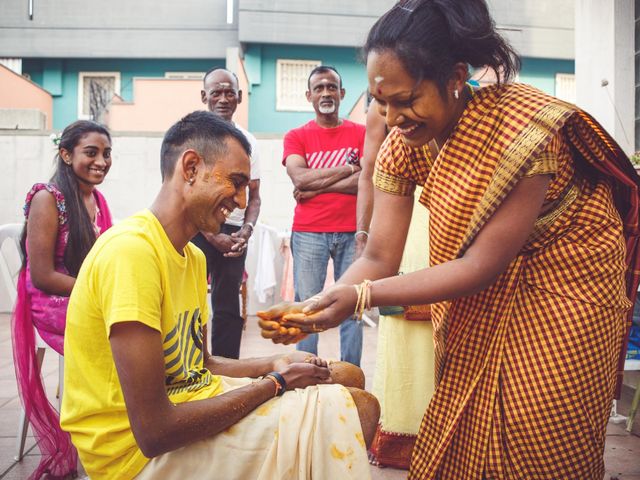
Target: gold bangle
[{"x": 363, "y": 302}]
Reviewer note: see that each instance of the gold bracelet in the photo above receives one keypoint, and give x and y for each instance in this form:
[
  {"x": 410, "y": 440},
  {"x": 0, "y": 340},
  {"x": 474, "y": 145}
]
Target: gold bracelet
[{"x": 363, "y": 302}]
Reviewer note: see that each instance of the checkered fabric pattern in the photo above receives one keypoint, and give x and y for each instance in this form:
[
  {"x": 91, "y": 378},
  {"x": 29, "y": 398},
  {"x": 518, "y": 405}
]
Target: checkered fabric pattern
[{"x": 527, "y": 367}]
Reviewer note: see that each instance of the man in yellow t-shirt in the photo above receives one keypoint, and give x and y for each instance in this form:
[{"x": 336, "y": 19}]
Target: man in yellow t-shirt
[{"x": 139, "y": 382}]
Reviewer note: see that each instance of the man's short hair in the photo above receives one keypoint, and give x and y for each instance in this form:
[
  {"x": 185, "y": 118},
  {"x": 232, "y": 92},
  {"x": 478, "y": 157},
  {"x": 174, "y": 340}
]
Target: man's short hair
[
  {"x": 204, "y": 132},
  {"x": 211, "y": 70},
  {"x": 323, "y": 69}
]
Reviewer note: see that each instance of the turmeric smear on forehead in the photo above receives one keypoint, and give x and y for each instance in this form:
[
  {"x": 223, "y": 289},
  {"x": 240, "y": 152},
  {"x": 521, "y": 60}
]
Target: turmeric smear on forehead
[{"x": 221, "y": 179}]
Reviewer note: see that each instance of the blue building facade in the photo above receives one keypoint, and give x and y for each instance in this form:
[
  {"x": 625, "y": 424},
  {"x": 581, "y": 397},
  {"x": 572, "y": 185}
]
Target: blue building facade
[
  {"x": 61, "y": 78},
  {"x": 260, "y": 65}
]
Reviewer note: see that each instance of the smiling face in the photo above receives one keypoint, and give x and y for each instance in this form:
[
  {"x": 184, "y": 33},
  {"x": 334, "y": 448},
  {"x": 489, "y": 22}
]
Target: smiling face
[
  {"x": 325, "y": 93},
  {"x": 90, "y": 159},
  {"x": 417, "y": 109},
  {"x": 219, "y": 188},
  {"x": 221, "y": 94}
]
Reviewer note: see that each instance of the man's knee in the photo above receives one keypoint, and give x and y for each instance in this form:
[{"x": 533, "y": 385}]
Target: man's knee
[
  {"x": 368, "y": 411},
  {"x": 347, "y": 374}
]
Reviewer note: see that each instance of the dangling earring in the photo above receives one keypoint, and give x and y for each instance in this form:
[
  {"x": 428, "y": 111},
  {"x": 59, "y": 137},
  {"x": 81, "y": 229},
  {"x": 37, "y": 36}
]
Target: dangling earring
[
  {"x": 190, "y": 181},
  {"x": 456, "y": 95}
]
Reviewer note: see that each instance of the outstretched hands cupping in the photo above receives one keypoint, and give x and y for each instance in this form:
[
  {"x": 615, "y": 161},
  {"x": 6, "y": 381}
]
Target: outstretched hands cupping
[{"x": 290, "y": 322}]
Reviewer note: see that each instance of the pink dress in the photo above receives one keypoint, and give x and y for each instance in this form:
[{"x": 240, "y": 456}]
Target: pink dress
[{"x": 47, "y": 313}]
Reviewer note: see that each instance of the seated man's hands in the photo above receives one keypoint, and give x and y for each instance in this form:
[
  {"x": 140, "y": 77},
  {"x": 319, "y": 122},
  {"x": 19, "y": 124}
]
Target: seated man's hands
[
  {"x": 301, "y": 375},
  {"x": 298, "y": 357}
]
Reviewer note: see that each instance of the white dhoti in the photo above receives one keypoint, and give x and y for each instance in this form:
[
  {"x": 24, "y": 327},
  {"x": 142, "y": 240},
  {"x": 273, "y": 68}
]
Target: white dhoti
[{"x": 307, "y": 434}]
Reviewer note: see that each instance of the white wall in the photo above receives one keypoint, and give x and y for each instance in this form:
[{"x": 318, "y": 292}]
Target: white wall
[
  {"x": 537, "y": 28},
  {"x": 134, "y": 179},
  {"x": 604, "y": 31},
  {"x": 132, "y": 183}
]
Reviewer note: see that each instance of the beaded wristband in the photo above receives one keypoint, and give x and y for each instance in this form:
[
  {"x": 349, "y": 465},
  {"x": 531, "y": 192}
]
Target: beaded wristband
[
  {"x": 275, "y": 382},
  {"x": 281, "y": 384}
]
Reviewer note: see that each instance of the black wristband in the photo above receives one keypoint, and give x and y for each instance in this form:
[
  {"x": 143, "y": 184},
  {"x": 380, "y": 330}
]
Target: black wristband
[{"x": 281, "y": 381}]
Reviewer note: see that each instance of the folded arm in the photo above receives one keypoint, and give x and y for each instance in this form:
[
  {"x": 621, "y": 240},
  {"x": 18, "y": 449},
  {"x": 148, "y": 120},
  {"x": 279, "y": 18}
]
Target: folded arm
[{"x": 305, "y": 178}]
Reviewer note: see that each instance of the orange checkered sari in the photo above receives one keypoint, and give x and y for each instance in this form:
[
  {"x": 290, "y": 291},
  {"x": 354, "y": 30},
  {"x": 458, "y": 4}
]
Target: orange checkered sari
[{"x": 526, "y": 369}]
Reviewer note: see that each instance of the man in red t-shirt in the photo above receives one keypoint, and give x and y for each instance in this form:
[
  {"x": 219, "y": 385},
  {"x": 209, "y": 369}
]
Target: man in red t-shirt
[{"x": 323, "y": 160}]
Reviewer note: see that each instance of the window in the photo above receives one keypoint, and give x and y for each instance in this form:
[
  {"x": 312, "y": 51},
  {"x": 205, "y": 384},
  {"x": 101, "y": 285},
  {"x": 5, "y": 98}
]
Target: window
[
  {"x": 95, "y": 92},
  {"x": 291, "y": 84},
  {"x": 566, "y": 87},
  {"x": 184, "y": 75},
  {"x": 14, "y": 64}
]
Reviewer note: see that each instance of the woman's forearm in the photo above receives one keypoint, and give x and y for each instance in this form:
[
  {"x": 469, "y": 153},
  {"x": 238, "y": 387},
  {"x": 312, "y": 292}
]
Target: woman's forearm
[{"x": 53, "y": 283}]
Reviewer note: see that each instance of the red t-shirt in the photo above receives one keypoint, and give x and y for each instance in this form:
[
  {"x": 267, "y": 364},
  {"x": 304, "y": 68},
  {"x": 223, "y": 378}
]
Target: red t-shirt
[{"x": 325, "y": 148}]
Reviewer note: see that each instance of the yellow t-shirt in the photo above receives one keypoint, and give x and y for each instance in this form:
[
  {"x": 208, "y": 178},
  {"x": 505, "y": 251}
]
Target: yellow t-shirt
[{"x": 133, "y": 273}]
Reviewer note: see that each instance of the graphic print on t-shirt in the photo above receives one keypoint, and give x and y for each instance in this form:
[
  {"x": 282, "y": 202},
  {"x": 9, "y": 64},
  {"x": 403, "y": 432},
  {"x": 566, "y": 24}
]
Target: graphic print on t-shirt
[
  {"x": 333, "y": 158},
  {"x": 183, "y": 355}
]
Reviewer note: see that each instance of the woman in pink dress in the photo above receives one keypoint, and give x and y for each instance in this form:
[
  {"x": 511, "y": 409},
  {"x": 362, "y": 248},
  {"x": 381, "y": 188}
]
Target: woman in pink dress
[{"x": 63, "y": 219}]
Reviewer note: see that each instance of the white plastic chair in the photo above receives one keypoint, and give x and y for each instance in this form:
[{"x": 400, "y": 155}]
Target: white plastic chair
[{"x": 10, "y": 264}]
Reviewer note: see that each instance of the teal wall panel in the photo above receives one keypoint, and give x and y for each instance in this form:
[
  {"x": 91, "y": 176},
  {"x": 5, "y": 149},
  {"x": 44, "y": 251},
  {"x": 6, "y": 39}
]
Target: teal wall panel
[
  {"x": 60, "y": 77},
  {"x": 65, "y": 103},
  {"x": 253, "y": 65},
  {"x": 52, "y": 76},
  {"x": 541, "y": 72},
  {"x": 263, "y": 116}
]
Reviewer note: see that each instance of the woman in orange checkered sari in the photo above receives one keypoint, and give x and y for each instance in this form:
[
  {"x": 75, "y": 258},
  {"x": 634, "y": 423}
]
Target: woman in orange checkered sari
[{"x": 533, "y": 249}]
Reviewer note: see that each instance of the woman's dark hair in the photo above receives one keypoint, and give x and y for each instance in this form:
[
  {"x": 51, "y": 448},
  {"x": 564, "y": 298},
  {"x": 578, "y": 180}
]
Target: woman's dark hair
[
  {"x": 430, "y": 36},
  {"x": 82, "y": 234}
]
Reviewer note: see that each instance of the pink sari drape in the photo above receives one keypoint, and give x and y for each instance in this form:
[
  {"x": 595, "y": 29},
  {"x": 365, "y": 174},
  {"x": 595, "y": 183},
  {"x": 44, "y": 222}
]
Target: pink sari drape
[{"x": 59, "y": 457}]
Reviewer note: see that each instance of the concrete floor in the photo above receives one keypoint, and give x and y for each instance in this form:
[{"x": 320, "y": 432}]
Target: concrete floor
[{"x": 622, "y": 450}]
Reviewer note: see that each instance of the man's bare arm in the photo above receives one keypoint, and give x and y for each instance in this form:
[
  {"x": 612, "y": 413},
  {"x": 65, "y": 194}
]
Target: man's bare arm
[
  {"x": 253, "y": 205},
  {"x": 230, "y": 367},
  {"x": 305, "y": 178},
  {"x": 347, "y": 185},
  {"x": 376, "y": 133},
  {"x": 157, "y": 424}
]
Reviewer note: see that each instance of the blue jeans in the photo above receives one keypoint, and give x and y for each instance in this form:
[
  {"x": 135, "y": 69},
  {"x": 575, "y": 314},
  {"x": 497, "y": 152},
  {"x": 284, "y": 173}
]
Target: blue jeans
[{"x": 311, "y": 253}]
